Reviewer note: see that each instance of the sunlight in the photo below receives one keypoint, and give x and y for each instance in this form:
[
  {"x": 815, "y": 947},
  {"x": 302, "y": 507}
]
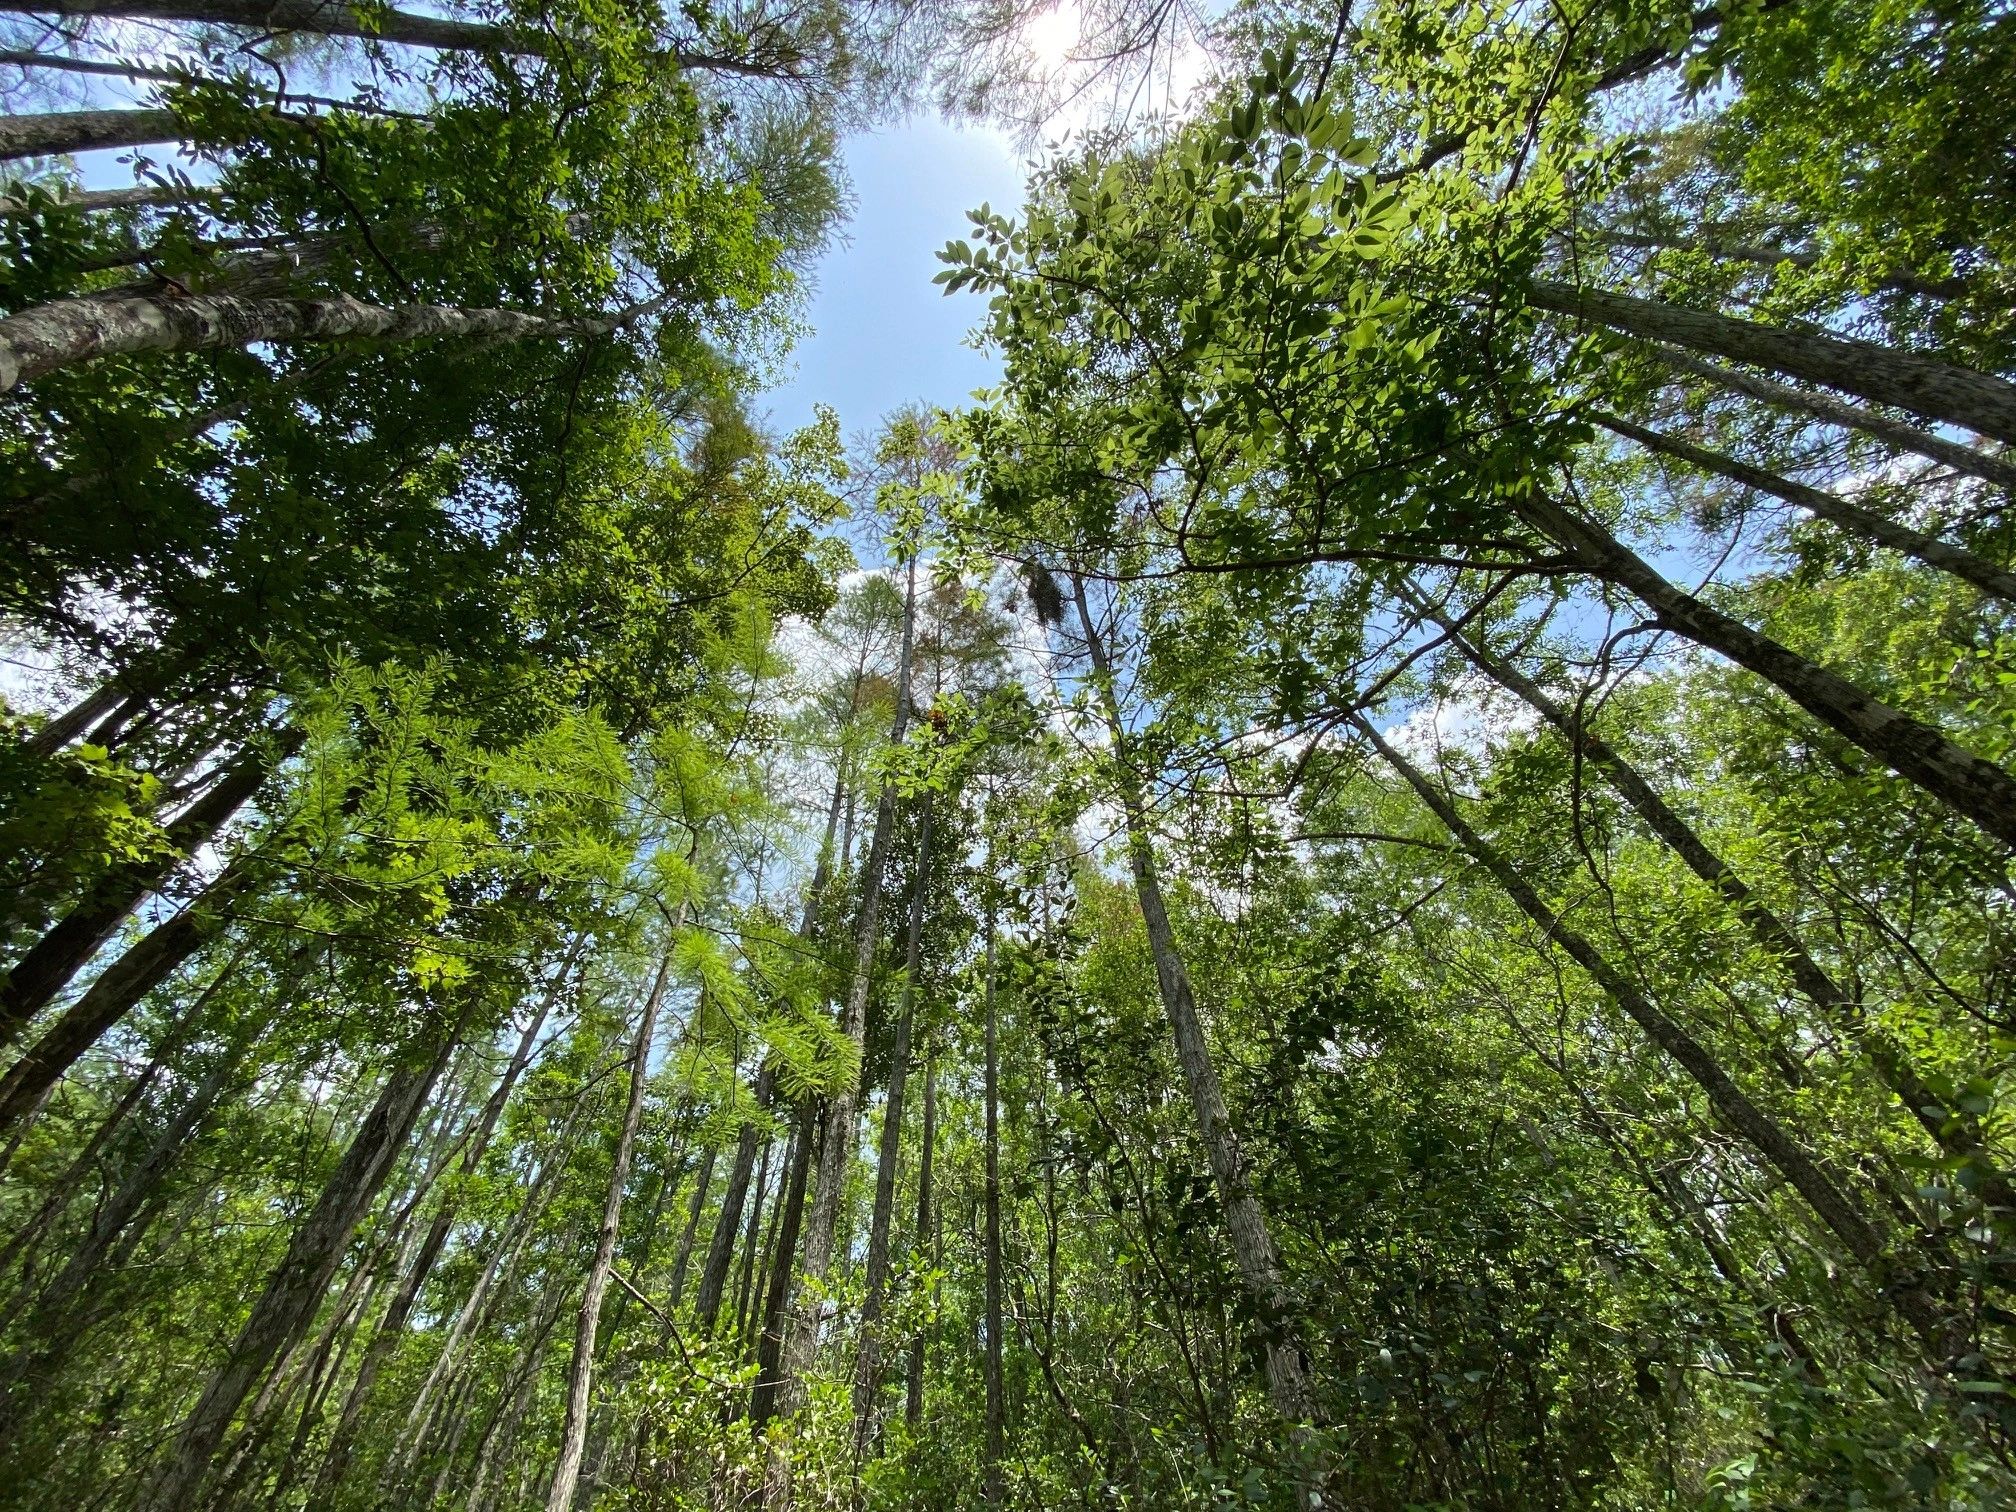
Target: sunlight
[{"x": 1051, "y": 35}]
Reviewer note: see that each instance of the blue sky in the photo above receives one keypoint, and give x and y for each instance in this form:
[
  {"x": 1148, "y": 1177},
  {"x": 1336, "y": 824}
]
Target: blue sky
[{"x": 883, "y": 335}]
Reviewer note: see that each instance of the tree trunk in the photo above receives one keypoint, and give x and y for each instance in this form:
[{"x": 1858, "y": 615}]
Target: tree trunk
[
  {"x": 1835, "y": 510},
  {"x": 297, "y": 1286},
  {"x": 64, "y": 949},
  {"x": 721, "y": 1248},
  {"x": 993, "y": 1482},
  {"x": 67, "y": 332},
  {"x": 1954, "y": 1135},
  {"x": 836, "y": 1146},
  {"x": 1893, "y": 433},
  {"x": 1880, "y": 374},
  {"x": 329, "y": 18},
  {"x": 574, "y": 1429},
  {"x": 86, "y": 201},
  {"x": 1770, "y": 257},
  {"x": 117, "y": 991},
  {"x": 60, "y": 131},
  {"x": 763, "y": 1399},
  {"x": 1978, "y": 789},
  {"x": 927, "y": 1224},
  {"x": 1785, "y": 1156},
  {"x": 754, "y": 1238},
  {"x": 868, "y": 1357},
  {"x": 1252, "y": 1244},
  {"x": 75, "y": 720},
  {"x": 685, "y": 1255}
]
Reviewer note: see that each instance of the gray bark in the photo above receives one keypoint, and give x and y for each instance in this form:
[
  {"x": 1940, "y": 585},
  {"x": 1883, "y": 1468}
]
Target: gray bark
[
  {"x": 1770, "y": 257},
  {"x": 574, "y": 1429},
  {"x": 1980, "y": 790},
  {"x": 298, "y": 1284},
  {"x": 927, "y": 1226},
  {"x": 63, "y": 131},
  {"x": 993, "y": 1482},
  {"x": 1245, "y": 1223},
  {"x": 66, "y": 332},
  {"x": 1832, "y": 508},
  {"x": 1830, "y": 411},
  {"x": 1880, "y": 374},
  {"x": 721, "y": 1247},
  {"x": 88, "y": 201}
]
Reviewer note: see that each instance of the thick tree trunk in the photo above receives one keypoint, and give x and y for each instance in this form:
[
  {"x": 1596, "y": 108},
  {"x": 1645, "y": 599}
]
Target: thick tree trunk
[
  {"x": 574, "y": 1429},
  {"x": 836, "y": 1146},
  {"x": 71, "y": 724},
  {"x": 61, "y": 131},
  {"x": 927, "y": 1225},
  {"x": 992, "y": 1480},
  {"x": 1954, "y": 1135},
  {"x": 1892, "y": 433},
  {"x": 117, "y": 991},
  {"x": 1880, "y": 374},
  {"x": 1978, "y": 789},
  {"x": 1245, "y": 1223},
  {"x": 64, "y": 949},
  {"x": 868, "y": 1358},
  {"x": 1835, "y": 510},
  {"x": 67, "y": 332},
  {"x": 1763, "y": 1134},
  {"x": 297, "y": 1286}
]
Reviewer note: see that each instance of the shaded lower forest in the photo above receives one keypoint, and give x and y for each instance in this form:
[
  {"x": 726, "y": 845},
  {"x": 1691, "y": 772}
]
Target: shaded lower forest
[{"x": 1380, "y": 881}]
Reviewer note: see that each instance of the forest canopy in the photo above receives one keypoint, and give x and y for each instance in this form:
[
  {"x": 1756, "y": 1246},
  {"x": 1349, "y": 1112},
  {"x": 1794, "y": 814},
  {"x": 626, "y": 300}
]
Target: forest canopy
[{"x": 1379, "y": 879}]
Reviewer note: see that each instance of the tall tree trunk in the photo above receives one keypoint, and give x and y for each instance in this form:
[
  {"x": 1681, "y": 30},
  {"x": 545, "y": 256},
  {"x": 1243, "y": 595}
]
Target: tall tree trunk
[
  {"x": 336, "y": 1458},
  {"x": 75, "y": 720},
  {"x": 754, "y": 1238},
  {"x": 1880, "y": 374},
  {"x": 993, "y": 1481},
  {"x": 1252, "y": 1244},
  {"x": 721, "y": 1247},
  {"x": 574, "y": 1428},
  {"x": 763, "y": 1399},
  {"x": 868, "y": 1358},
  {"x": 67, "y": 332},
  {"x": 63, "y": 950},
  {"x": 329, "y": 18},
  {"x": 1893, "y": 433},
  {"x": 1900, "y": 282},
  {"x": 87, "y": 201},
  {"x": 117, "y": 991},
  {"x": 1952, "y": 1131},
  {"x": 836, "y": 1145},
  {"x": 1978, "y": 789},
  {"x": 927, "y": 1227},
  {"x": 1832, "y": 508},
  {"x": 62, "y": 131},
  {"x": 684, "y": 1257},
  {"x": 297, "y": 1286},
  {"x": 1935, "y": 1326}
]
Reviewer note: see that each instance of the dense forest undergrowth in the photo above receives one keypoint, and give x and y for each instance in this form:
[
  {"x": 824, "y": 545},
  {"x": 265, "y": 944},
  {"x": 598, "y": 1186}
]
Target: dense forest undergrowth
[{"x": 1381, "y": 881}]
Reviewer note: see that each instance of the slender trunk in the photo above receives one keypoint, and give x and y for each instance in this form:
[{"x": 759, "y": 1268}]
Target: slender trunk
[
  {"x": 1893, "y": 433},
  {"x": 64, "y": 949},
  {"x": 76, "y": 719},
  {"x": 67, "y": 332},
  {"x": 1832, "y": 508},
  {"x": 329, "y": 18},
  {"x": 336, "y": 1458},
  {"x": 1880, "y": 374},
  {"x": 117, "y": 991},
  {"x": 868, "y": 1360},
  {"x": 1978, "y": 789},
  {"x": 1778, "y": 1149},
  {"x": 763, "y": 1400},
  {"x": 1954, "y": 1133},
  {"x": 836, "y": 1145},
  {"x": 297, "y": 1286},
  {"x": 754, "y": 1238},
  {"x": 1246, "y": 1224},
  {"x": 721, "y": 1248},
  {"x": 86, "y": 201},
  {"x": 63, "y": 131},
  {"x": 684, "y": 1258},
  {"x": 993, "y": 1481},
  {"x": 574, "y": 1429},
  {"x": 1770, "y": 257},
  {"x": 927, "y": 1226}
]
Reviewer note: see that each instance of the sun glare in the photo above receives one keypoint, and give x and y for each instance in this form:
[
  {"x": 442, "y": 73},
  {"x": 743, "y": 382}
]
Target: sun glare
[{"x": 1052, "y": 34}]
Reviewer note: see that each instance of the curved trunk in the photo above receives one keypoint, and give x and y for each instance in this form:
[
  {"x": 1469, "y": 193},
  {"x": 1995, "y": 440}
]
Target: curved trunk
[
  {"x": 1245, "y": 1223},
  {"x": 1832, "y": 508},
  {"x": 574, "y": 1429},
  {"x": 63, "y": 131},
  {"x": 1880, "y": 374},
  {"x": 1980, "y": 790}
]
